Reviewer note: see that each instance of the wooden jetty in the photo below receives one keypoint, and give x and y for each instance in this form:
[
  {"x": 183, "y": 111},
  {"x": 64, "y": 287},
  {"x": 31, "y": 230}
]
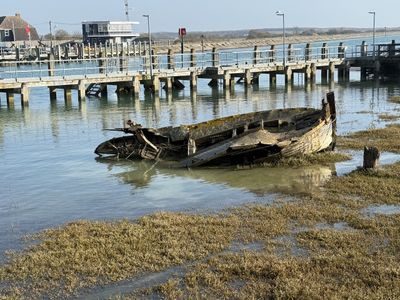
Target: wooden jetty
[
  {"x": 380, "y": 60},
  {"x": 91, "y": 76}
]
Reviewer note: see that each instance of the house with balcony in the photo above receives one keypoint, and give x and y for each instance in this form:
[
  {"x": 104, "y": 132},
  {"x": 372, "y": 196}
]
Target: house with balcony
[{"x": 96, "y": 32}]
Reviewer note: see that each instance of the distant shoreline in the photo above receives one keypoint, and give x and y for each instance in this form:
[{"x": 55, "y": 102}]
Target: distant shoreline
[{"x": 237, "y": 43}]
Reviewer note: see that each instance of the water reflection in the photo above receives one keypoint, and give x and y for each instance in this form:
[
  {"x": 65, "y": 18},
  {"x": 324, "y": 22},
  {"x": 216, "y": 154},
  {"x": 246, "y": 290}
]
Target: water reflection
[
  {"x": 260, "y": 180},
  {"x": 49, "y": 175}
]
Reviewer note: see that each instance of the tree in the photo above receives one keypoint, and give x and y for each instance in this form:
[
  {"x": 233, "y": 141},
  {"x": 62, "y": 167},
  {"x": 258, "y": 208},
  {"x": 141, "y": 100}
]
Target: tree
[{"x": 61, "y": 34}]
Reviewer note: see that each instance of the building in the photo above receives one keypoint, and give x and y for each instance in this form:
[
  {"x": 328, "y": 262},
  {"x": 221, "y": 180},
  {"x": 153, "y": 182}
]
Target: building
[
  {"x": 14, "y": 28},
  {"x": 97, "y": 32}
]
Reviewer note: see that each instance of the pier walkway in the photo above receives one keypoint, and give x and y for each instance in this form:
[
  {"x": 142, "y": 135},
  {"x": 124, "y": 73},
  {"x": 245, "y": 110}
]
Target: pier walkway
[{"x": 92, "y": 76}]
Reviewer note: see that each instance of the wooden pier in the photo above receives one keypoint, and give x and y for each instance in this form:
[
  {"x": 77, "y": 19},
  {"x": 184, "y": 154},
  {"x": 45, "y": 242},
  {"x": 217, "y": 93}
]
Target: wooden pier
[
  {"x": 91, "y": 76},
  {"x": 381, "y": 60}
]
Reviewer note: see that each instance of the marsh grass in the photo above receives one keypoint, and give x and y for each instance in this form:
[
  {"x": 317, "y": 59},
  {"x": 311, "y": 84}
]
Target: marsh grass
[
  {"x": 387, "y": 117},
  {"x": 321, "y": 158},
  {"x": 386, "y": 139},
  {"x": 394, "y": 99},
  {"x": 299, "y": 258}
]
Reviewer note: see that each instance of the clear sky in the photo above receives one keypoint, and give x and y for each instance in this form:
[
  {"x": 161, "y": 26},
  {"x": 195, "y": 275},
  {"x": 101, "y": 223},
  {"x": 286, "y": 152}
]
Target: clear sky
[{"x": 207, "y": 15}]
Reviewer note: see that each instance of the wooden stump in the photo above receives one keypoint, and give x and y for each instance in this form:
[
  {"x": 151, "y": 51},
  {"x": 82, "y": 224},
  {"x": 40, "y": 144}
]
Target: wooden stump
[{"x": 371, "y": 157}]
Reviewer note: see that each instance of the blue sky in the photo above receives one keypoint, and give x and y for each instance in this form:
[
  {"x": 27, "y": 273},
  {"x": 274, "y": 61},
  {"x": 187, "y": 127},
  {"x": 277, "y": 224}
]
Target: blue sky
[{"x": 207, "y": 15}]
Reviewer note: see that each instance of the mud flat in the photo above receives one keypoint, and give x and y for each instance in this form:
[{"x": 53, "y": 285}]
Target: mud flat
[{"x": 320, "y": 244}]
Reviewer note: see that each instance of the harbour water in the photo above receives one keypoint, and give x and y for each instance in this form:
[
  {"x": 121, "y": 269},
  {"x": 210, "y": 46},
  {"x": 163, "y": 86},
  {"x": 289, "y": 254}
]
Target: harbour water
[{"x": 49, "y": 174}]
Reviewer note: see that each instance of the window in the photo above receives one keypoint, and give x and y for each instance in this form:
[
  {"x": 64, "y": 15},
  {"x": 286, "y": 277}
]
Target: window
[
  {"x": 6, "y": 32},
  {"x": 103, "y": 28}
]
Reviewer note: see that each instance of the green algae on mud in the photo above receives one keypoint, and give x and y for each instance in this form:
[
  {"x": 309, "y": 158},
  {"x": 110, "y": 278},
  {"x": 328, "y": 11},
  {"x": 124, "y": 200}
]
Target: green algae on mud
[
  {"x": 321, "y": 158},
  {"x": 386, "y": 139},
  {"x": 394, "y": 99},
  {"x": 299, "y": 257},
  {"x": 388, "y": 117}
]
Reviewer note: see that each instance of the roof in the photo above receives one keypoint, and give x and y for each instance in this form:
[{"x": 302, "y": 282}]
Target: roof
[
  {"x": 10, "y": 22},
  {"x": 111, "y": 22},
  {"x": 18, "y": 24}
]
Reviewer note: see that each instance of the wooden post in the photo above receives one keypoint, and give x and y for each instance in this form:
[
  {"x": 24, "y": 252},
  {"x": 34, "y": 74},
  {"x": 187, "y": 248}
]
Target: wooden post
[
  {"x": 67, "y": 94},
  {"x": 156, "y": 84},
  {"x": 324, "y": 51},
  {"x": 81, "y": 53},
  {"x": 24, "y": 94},
  {"x": 247, "y": 77},
  {"x": 330, "y": 98},
  {"x": 58, "y": 52},
  {"x": 53, "y": 93},
  {"x": 192, "y": 58},
  {"x": 154, "y": 59},
  {"x": 288, "y": 74},
  {"x": 123, "y": 62},
  {"x": 371, "y": 157},
  {"x": 227, "y": 79},
  {"x": 112, "y": 50},
  {"x": 66, "y": 51},
  {"x": 17, "y": 53},
  {"x": 215, "y": 58},
  {"x": 313, "y": 72},
  {"x": 170, "y": 59},
  {"x": 168, "y": 84},
  {"x": 103, "y": 62},
  {"x": 106, "y": 46},
  {"x": 51, "y": 64},
  {"x": 134, "y": 48},
  {"x": 324, "y": 74},
  {"x": 136, "y": 85},
  {"x": 308, "y": 52},
  {"x": 272, "y": 54},
  {"x": 81, "y": 90},
  {"x": 341, "y": 50},
  {"x": 272, "y": 78},
  {"x": 331, "y": 71},
  {"x": 307, "y": 74},
  {"x": 364, "y": 48},
  {"x": 290, "y": 53},
  {"x": 10, "y": 98},
  {"x": 37, "y": 52},
  {"x": 256, "y": 55},
  {"x": 193, "y": 80}
]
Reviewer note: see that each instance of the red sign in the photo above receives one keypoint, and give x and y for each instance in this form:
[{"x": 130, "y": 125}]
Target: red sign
[
  {"x": 182, "y": 31},
  {"x": 27, "y": 29}
]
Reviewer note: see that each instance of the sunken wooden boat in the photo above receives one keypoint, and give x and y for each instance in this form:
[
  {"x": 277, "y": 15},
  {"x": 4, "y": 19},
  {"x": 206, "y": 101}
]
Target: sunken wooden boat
[{"x": 249, "y": 138}]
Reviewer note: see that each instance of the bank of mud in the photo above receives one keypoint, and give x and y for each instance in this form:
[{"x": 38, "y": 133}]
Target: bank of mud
[{"x": 322, "y": 244}]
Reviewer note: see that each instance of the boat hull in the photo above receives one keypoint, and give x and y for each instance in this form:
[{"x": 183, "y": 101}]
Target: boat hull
[{"x": 241, "y": 139}]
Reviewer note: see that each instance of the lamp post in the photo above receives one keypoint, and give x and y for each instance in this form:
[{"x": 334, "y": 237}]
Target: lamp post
[
  {"x": 373, "y": 34},
  {"x": 281, "y": 14},
  {"x": 150, "y": 49},
  {"x": 51, "y": 37}
]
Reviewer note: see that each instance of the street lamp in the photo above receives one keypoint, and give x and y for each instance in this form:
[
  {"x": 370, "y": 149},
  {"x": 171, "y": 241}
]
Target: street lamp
[
  {"x": 150, "y": 49},
  {"x": 281, "y": 14},
  {"x": 373, "y": 34}
]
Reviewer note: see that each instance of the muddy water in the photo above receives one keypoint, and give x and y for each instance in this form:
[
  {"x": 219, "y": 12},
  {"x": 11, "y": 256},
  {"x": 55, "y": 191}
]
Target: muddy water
[{"x": 50, "y": 176}]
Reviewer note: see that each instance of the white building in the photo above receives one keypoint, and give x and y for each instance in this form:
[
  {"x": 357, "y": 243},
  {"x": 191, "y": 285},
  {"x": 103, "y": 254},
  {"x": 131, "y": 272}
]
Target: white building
[{"x": 95, "y": 32}]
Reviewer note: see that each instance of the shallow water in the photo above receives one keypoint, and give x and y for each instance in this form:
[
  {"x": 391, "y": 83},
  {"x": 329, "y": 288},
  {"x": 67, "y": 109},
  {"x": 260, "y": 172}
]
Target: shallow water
[
  {"x": 50, "y": 176},
  {"x": 381, "y": 210}
]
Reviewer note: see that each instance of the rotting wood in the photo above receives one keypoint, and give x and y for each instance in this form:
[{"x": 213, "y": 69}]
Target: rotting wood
[
  {"x": 371, "y": 157},
  {"x": 244, "y": 138}
]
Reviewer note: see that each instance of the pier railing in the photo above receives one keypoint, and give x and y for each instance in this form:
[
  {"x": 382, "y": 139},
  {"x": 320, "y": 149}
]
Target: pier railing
[
  {"x": 366, "y": 51},
  {"x": 169, "y": 62}
]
